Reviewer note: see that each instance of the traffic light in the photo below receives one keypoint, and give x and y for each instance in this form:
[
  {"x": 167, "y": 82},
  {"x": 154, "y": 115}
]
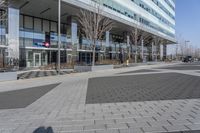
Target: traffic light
[{"x": 47, "y": 39}]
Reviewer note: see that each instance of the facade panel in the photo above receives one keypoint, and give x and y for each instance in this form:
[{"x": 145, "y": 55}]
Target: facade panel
[{"x": 38, "y": 27}]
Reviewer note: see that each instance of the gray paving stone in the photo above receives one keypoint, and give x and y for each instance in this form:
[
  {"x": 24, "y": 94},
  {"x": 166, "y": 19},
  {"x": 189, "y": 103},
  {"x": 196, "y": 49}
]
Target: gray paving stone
[
  {"x": 111, "y": 121},
  {"x": 64, "y": 107},
  {"x": 177, "y": 128},
  {"x": 194, "y": 126},
  {"x": 183, "y": 67},
  {"x": 130, "y": 88},
  {"x": 117, "y": 126},
  {"x": 95, "y": 127},
  {"x": 125, "y": 120},
  {"x": 24, "y": 97},
  {"x": 131, "y": 130},
  {"x": 156, "y": 129},
  {"x": 72, "y": 128},
  {"x": 140, "y": 71},
  {"x": 108, "y": 131}
]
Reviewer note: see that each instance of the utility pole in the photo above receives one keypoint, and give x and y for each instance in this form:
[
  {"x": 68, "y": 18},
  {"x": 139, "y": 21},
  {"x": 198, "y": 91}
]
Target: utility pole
[
  {"x": 59, "y": 41},
  {"x": 187, "y": 41}
]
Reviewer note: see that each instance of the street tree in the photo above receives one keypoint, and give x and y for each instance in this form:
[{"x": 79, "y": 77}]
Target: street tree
[
  {"x": 136, "y": 36},
  {"x": 94, "y": 25},
  {"x": 3, "y": 11}
]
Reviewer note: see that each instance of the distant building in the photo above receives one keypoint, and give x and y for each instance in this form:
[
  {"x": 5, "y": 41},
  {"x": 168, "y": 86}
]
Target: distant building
[{"x": 31, "y": 32}]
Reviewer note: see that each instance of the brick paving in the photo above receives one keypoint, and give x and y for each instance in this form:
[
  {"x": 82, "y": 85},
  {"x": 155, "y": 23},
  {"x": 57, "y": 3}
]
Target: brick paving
[
  {"x": 130, "y": 88},
  {"x": 140, "y": 71},
  {"x": 63, "y": 109},
  {"x": 183, "y": 67},
  {"x": 24, "y": 97},
  {"x": 36, "y": 74}
]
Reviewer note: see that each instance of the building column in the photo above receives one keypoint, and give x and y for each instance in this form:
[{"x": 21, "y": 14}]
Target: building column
[
  {"x": 74, "y": 40},
  {"x": 74, "y": 32},
  {"x": 156, "y": 54},
  {"x": 128, "y": 45},
  {"x": 152, "y": 50},
  {"x": 107, "y": 38},
  {"x": 108, "y": 43},
  {"x": 142, "y": 44},
  {"x": 164, "y": 51},
  {"x": 161, "y": 52},
  {"x": 13, "y": 38}
]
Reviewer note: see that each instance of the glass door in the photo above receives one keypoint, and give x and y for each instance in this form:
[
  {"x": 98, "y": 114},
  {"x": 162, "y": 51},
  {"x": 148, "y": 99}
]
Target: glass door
[{"x": 37, "y": 59}]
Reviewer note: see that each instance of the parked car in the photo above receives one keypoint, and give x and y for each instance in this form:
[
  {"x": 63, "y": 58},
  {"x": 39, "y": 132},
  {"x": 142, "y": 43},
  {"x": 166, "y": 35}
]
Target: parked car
[{"x": 187, "y": 59}]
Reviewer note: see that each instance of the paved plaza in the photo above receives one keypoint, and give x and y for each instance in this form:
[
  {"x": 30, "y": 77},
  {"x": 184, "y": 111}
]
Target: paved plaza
[
  {"x": 24, "y": 97},
  {"x": 142, "y": 99},
  {"x": 139, "y": 71},
  {"x": 36, "y": 74},
  {"x": 151, "y": 87}
]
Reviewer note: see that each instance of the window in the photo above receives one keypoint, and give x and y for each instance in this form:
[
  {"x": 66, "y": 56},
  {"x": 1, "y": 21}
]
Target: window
[
  {"x": 21, "y": 21},
  {"x": 28, "y": 22},
  {"x": 54, "y": 26},
  {"x": 45, "y": 26},
  {"x": 37, "y": 25}
]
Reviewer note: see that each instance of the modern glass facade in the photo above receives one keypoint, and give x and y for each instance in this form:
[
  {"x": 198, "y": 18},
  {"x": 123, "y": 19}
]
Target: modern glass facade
[
  {"x": 2, "y": 39},
  {"x": 38, "y": 33}
]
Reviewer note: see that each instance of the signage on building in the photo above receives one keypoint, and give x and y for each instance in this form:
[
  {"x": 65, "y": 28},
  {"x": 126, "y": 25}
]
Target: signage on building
[{"x": 40, "y": 43}]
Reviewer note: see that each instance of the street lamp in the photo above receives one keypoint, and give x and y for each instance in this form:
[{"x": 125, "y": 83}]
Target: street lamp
[
  {"x": 187, "y": 41},
  {"x": 59, "y": 41}
]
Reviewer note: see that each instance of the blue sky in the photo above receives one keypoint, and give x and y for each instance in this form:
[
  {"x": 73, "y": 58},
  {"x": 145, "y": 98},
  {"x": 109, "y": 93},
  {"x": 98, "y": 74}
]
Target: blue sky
[
  {"x": 187, "y": 23},
  {"x": 188, "y": 20}
]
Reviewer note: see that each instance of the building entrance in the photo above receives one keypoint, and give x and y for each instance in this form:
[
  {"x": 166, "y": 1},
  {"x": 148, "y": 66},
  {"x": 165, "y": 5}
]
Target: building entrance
[
  {"x": 85, "y": 58},
  {"x": 37, "y": 59}
]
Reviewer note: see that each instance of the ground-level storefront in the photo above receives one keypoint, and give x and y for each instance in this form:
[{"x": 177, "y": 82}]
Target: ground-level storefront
[
  {"x": 37, "y": 57},
  {"x": 33, "y": 40}
]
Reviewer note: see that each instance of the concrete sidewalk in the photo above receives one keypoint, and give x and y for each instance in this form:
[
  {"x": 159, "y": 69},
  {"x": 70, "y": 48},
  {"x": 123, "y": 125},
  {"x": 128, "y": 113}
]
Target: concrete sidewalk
[{"x": 64, "y": 108}]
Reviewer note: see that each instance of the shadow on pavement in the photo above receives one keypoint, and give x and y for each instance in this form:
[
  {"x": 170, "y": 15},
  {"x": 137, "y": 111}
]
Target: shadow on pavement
[
  {"x": 43, "y": 130},
  {"x": 23, "y": 97}
]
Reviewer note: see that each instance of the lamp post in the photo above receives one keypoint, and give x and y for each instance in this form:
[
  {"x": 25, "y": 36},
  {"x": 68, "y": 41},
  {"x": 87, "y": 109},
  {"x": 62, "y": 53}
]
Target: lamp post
[
  {"x": 187, "y": 41},
  {"x": 59, "y": 41}
]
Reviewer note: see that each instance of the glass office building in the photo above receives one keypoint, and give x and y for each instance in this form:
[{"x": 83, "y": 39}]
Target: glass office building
[{"x": 30, "y": 37}]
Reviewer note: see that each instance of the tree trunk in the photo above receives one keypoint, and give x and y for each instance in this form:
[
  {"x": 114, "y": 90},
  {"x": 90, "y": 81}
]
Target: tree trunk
[
  {"x": 93, "y": 57},
  {"x": 135, "y": 41},
  {"x": 130, "y": 52},
  {"x": 136, "y": 53}
]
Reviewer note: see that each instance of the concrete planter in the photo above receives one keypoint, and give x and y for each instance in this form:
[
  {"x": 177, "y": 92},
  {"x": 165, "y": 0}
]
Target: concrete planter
[
  {"x": 102, "y": 67},
  {"x": 82, "y": 68},
  {"x": 92, "y": 68},
  {"x": 5, "y": 76}
]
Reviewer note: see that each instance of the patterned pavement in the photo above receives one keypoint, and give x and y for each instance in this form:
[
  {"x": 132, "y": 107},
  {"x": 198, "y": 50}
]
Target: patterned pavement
[
  {"x": 64, "y": 108},
  {"x": 139, "y": 71},
  {"x": 36, "y": 74},
  {"x": 183, "y": 67},
  {"x": 151, "y": 87},
  {"x": 24, "y": 97}
]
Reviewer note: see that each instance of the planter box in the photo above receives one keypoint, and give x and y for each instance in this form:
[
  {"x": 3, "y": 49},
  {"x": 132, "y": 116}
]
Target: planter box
[
  {"x": 92, "y": 68},
  {"x": 5, "y": 76},
  {"x": 102, "y": 67},
  {"x": 82, "y": 68}
]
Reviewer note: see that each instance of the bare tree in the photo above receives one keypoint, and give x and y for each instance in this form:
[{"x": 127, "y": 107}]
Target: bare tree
[
  {"x": 3, "y": 10},
  {"x": 180, "y": 46},
  {"x": 94, "y": 25},
  {"x": 177, "y": 47},
  {"x": 136, "y": 35},
  {"x": 134, "y": 41},
  {"x": 3, "y": 22}
]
